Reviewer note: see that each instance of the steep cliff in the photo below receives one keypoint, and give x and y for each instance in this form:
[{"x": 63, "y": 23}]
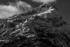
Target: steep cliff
[{"x": 39, "y": 27}]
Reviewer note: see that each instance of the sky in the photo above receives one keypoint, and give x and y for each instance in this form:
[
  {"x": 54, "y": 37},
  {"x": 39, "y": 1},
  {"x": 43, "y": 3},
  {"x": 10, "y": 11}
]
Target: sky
[{"x": 63, "y": 7}]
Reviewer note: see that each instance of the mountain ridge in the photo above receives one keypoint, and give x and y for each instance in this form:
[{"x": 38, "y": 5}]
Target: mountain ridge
[{"x": 36, "y": 30}]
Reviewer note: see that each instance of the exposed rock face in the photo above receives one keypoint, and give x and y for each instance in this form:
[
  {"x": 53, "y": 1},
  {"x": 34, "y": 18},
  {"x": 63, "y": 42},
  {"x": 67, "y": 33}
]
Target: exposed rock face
[{"x": 40, "y": 27}]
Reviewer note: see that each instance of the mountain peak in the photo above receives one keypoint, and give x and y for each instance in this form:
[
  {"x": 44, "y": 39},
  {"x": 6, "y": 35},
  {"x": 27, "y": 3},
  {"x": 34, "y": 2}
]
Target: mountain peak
[{"x": 20, "y": 25}]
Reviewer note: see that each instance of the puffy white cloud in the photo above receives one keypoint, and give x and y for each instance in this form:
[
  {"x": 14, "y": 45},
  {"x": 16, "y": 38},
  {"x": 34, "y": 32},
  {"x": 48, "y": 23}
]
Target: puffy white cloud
[
  {"x": 44, "y": 1},
  {"x": 7, "y": 11},
  {"x": 23, "y": 6}
]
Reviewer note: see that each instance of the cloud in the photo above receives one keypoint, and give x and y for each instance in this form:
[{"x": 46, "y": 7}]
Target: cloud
[
  {"x": 44, "y": 1},
  {"x": 7, "y": 11},
  {"x": 23, "y": 5}
]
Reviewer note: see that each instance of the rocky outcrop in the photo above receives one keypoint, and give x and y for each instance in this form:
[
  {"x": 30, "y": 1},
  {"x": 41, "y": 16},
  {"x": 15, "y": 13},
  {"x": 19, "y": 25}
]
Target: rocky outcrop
[{"x": 36, "y": 28}]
